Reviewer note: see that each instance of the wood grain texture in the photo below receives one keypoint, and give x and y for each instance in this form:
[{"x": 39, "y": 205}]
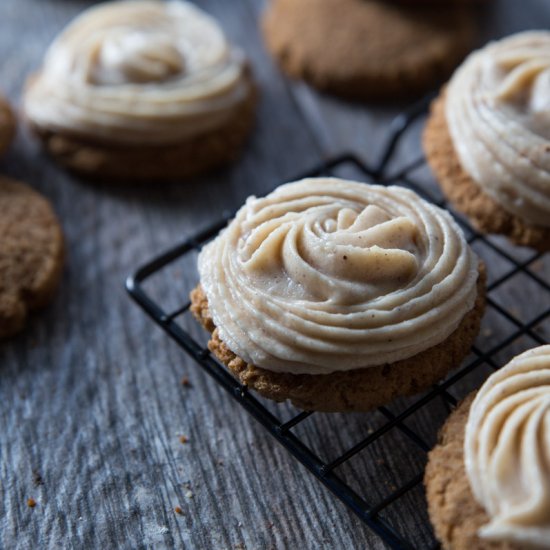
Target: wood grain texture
[{"x": 91, "y": 405}]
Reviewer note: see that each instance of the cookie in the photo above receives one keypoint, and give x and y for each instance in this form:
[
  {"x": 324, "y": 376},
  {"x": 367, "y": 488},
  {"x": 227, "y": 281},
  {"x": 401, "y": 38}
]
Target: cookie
[
  {"x": 31, "y": 254},
  {"x": 454, "y": 512},
  {"x": 7, "y": 125},
  {"x": 487, "y": 481},
  {"x": 339, "y": 295},
  {"x": 500, "y": 136},
  {"x": 465, "y": 194},
  {"x": 366, "y": 49},
  {"x": 357, "y": 390},
  {"x": 162, "y": 95}
]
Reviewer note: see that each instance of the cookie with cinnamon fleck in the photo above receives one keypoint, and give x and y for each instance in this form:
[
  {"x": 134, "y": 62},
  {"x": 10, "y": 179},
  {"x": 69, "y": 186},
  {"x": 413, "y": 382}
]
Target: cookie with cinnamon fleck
[
  {"x": 454, "y": 512},
  {"x": 339, "y": 295},
  {"x": 367, "y": 49},
  {"x": 486, "y": 214},
  {"x": 31, "y": 254},
  {"x": 142, "y": 91},
  {"x": 487, "y": 139}
]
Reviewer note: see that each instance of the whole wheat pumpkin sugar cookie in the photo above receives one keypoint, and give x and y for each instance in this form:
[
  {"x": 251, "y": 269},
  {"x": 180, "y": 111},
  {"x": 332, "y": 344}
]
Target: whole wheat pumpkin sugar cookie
[
  {"x": 488, "y": 139},
  {"x": 31, "y": 254},
  {"x": 367, "y": 49},
  {"x": 488, "y": 479},
  {"x": 142, "y": 90},
  {"x": 339, "y": 296},
  {"x": 7, "y": 124}
]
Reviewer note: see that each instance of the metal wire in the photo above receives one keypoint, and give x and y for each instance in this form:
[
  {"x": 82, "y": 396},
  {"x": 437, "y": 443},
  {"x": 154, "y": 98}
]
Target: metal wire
[{"x": 325, "y": 472}]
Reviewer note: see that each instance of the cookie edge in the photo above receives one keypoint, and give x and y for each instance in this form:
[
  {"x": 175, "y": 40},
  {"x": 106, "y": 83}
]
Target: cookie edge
[{"x": 42, "y": 297}]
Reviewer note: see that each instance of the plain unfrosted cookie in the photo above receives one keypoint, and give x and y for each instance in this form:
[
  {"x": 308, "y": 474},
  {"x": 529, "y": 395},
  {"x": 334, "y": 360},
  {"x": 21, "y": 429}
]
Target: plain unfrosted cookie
[
  {"x": 7, "y": 125},
  {"x": 355, "y": 390},
  {"x": 366, "y": 49},
  {"x": 31, "y": 254},
  {"x": 454, "y": 513},
  {"x": 466, "y": 195}
]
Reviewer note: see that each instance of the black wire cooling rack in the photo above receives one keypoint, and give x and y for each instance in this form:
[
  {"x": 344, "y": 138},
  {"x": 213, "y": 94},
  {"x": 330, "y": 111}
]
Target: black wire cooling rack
[{"x": 374, "y": 514}]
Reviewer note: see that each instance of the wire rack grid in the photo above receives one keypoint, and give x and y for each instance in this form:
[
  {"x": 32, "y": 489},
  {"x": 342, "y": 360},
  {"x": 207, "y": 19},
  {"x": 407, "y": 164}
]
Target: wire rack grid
[{"x": 326, "y": 471}]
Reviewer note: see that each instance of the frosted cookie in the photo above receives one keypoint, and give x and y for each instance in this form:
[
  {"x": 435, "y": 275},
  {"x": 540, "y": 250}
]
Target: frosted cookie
[
  {"x": 366, "y": 49},
  {"x": 7, "y": 125},
  {"x": 142, "y": 90},
  {"x": 488, "y": 139},
  {"x": 31, "y": 254},
  {"x": 488, "y": 479},
  {"x": 339, "y": 296}
]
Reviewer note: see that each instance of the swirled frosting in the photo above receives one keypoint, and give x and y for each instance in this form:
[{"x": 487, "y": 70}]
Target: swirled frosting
[
  {"x": 327, "y": 275},
  {"x": 498, "y": 114},
  {"x": 507, "y": 450},
  {"x": 138, "y": 72}
]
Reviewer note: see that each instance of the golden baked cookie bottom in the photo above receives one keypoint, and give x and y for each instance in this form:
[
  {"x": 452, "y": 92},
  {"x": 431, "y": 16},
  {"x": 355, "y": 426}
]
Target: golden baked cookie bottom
[
  {"x": 31, "y": 254},
  {"x": 98, "y": 160},
  {"x": 454, "y": 512},
  {"x": 7, "y": 125},
  {"x": 365, "y": 49},
  {"x": 355, "y": 390},
  {"x": 466, "y": 195}
]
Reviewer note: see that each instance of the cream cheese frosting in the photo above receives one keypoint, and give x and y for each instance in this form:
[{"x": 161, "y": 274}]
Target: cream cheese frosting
[
  {"x": 139, "y": 72},
  {"x": 507, "y": 450},
  {"x": 326, "y": 275},
  {"x": 498, "y": 114}
]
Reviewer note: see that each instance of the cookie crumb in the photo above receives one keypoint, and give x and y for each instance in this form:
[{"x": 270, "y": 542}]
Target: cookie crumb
[
  {"x": 183, "y": 439},
  {"x": 185, "y": 382},
  {"x": 31, "y": 503},
  {"x": 37, "y": 478},
  {"x": 178, "y": 511}
]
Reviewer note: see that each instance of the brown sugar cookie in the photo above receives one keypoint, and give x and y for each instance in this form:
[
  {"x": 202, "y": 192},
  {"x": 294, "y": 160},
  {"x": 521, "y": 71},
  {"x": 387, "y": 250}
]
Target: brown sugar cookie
[
  {"x": 486, "y": 480},
  {"x": 7, "y": 125},
  {"x": 367, "y": 49},
  {"x": 31, "y": 254},
  {"x": 339, "y": 295},
  {"x": 454, "y": 512},
  {"x": 466, "y": 195},
  {"x": 142, "y": 91},
  {"x": 355, "y": 390}
]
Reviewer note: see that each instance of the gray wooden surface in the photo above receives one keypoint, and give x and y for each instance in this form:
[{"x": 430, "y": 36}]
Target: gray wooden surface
[{"x": 91, "y": 405}]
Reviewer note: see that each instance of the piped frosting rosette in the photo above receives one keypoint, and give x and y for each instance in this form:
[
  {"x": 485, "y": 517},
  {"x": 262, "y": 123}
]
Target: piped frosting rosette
[
  {"x": 327, "y": 275},
  {"x": 498, "y": 114},
  {"x": 139, "y": 72},
  {"x": 507, "y": 450}
]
